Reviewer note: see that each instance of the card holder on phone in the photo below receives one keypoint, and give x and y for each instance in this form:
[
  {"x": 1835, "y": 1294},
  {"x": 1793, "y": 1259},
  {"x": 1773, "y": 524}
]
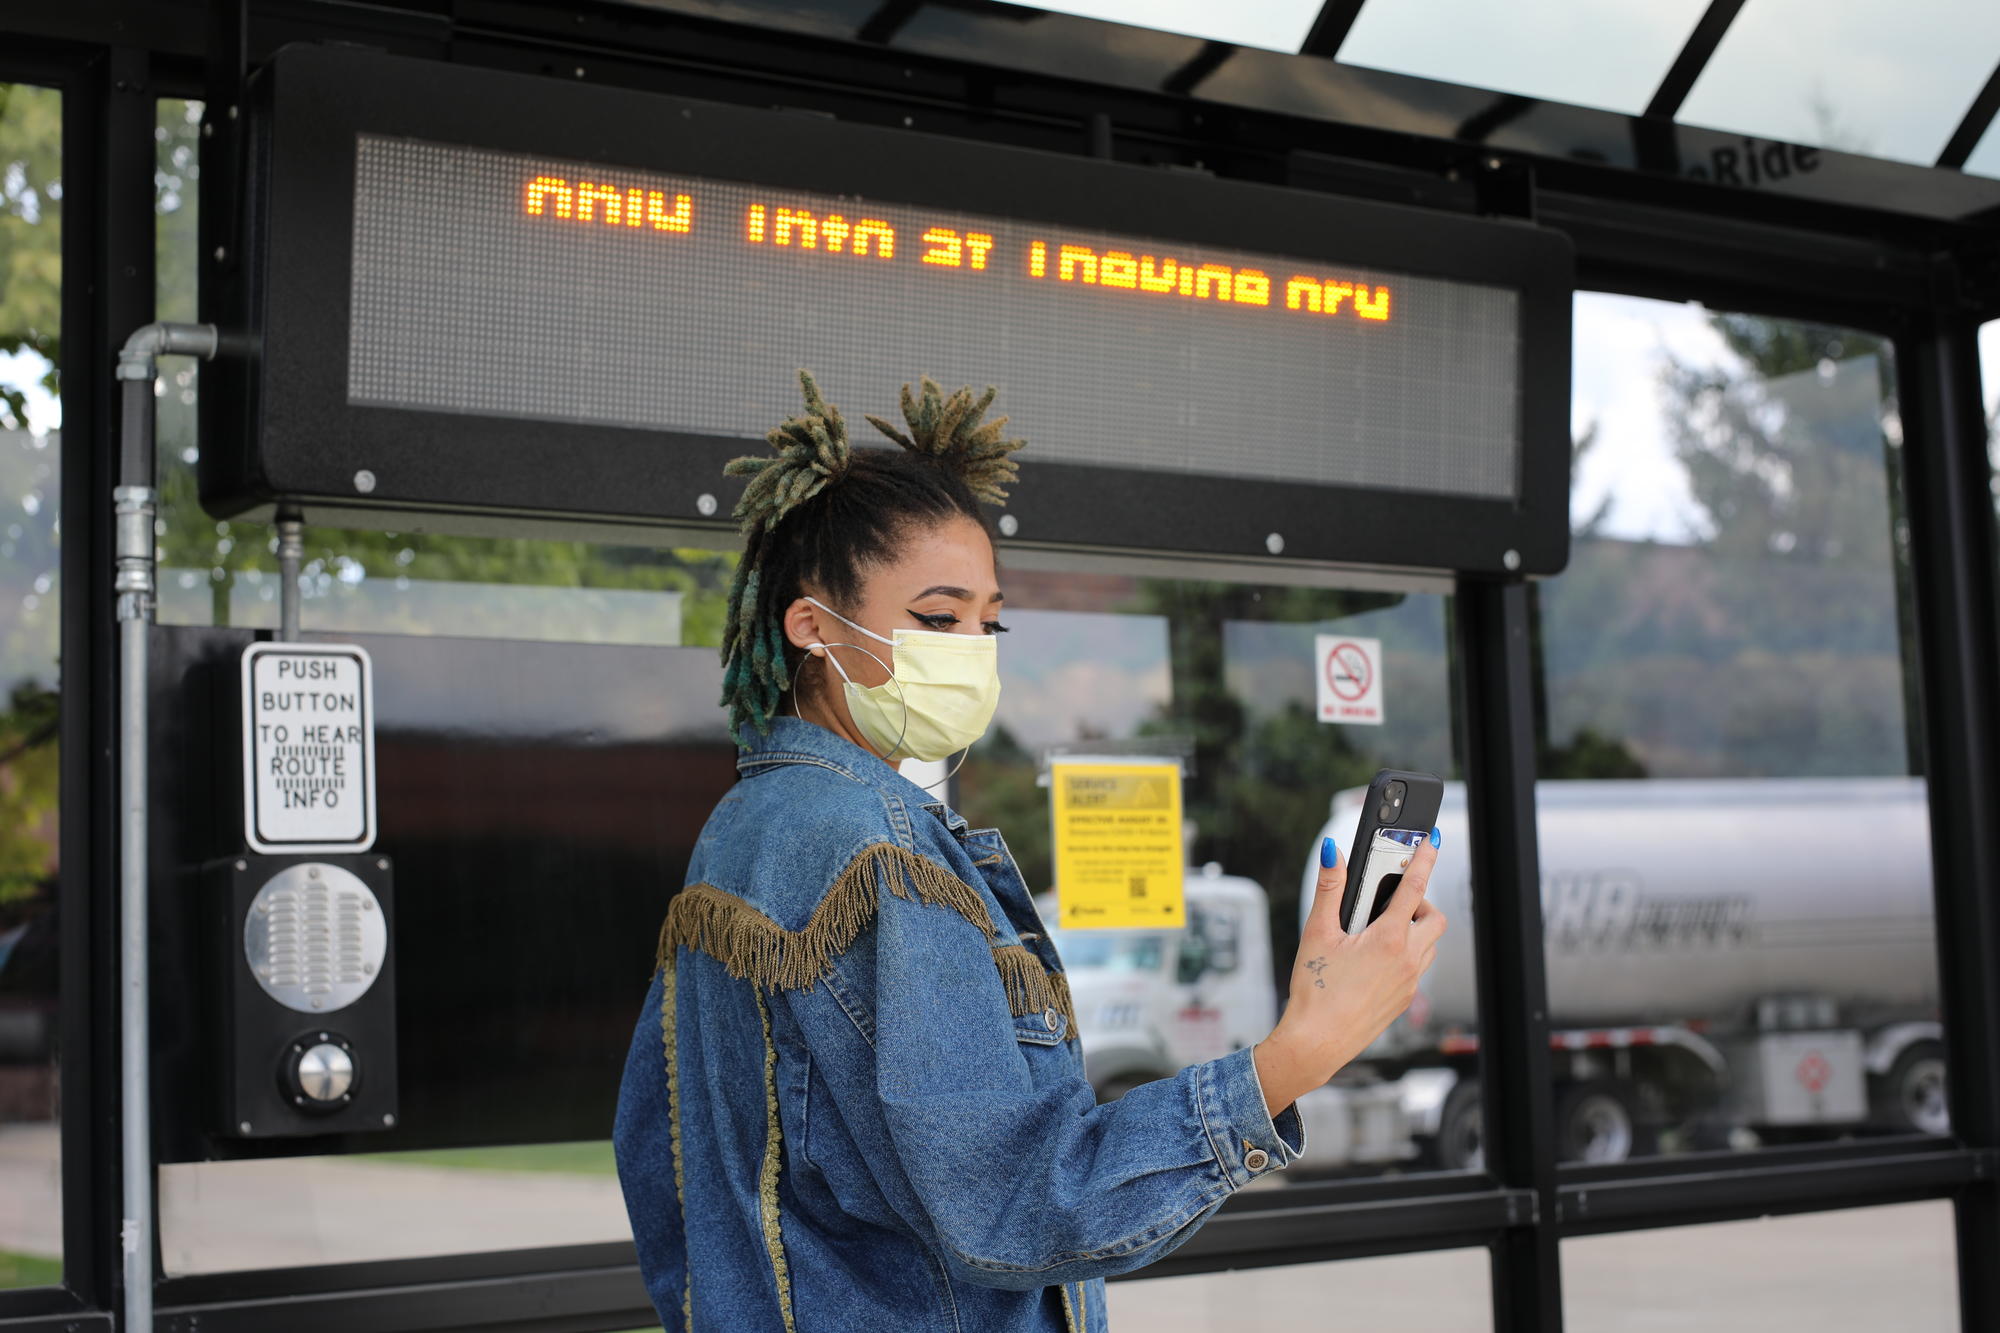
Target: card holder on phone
[{"x": 1389, "y": 853}]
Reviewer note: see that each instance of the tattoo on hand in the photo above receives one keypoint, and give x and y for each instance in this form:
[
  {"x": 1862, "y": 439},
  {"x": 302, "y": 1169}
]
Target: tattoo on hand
[{"x": 1316, "y": 966}]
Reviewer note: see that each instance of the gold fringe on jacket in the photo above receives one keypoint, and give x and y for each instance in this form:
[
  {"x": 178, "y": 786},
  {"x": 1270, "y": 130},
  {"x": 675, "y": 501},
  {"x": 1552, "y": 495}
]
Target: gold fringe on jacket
[
  {"x": 1031, "y": 988},
  {"x": 767, "y": 1179},
  {"x": 751, "y": 945},
  {"x": 1076, "y": 1319},
  {"x": 669, "y": 1036}
]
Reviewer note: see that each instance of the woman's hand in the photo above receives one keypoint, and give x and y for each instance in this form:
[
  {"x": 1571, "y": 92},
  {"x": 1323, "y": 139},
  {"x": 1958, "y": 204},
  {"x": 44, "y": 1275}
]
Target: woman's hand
[{"x": 1347, "y": 988}]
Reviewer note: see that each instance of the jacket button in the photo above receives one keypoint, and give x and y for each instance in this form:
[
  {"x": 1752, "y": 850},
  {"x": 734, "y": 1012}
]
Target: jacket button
[
  {"x": 1256, "y": 1159},
  {"x": 1049, "y": 1017}
]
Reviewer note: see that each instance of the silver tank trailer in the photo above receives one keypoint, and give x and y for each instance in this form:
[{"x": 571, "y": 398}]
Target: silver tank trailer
[
  {"x": 1701, "y": 910},
  {"x": 1664, "y": 900}
]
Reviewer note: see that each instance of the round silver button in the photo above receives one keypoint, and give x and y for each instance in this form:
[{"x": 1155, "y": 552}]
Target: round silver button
[
  {"x": 1256, "y": 1159},
  {"x": 326, "y": 1072},
  {"x": 1049, "y": 1017}
]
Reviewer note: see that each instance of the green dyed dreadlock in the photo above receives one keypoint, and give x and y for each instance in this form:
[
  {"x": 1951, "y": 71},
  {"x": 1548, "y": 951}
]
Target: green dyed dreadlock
[{"x": 949, "y": 463}]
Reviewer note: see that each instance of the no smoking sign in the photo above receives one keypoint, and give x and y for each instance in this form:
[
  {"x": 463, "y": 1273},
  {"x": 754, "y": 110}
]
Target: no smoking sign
[{"x": 1349, "y": 671}]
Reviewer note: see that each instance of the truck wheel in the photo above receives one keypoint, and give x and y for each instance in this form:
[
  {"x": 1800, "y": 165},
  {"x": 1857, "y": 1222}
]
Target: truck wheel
[
  {"x": 1911, "y": 1096},
  {"x": 1461, "y": 1145},
  {"x": 1596, "y": 1121}
]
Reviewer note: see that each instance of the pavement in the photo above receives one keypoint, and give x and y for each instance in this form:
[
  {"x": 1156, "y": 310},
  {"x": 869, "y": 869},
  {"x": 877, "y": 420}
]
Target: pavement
[
  {"x": 30, "y": 1189},
  {"x": 1855, "y": 1271},
  {"x": 1859, "y": 1271},
  {"x": 220, "y": 1216}
]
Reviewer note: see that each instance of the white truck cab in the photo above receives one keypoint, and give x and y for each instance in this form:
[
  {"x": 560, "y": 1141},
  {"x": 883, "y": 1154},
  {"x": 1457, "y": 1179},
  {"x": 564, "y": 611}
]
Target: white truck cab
[{"x": 1150, "y": 1002}]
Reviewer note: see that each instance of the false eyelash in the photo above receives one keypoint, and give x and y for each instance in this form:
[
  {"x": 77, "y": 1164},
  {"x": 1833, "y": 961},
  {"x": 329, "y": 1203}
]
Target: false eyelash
[{"x": 944, "y": 618}]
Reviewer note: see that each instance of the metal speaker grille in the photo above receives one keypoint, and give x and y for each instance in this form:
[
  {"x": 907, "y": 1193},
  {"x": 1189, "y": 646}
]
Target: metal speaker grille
[{"x": 315, "y": 938}]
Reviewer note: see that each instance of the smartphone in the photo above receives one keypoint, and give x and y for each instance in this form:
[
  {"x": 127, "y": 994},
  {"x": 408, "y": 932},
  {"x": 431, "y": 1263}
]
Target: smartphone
[{"x": 1396, "y": 820}]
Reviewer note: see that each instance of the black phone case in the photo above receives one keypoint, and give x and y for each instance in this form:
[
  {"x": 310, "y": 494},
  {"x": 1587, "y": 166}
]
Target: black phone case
[{"x": 1420, "y": 811}]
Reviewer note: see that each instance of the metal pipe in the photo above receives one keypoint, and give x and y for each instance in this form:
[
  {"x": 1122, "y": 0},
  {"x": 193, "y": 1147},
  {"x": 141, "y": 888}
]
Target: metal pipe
[
  {"x": 135, "y": 504},
  {"x": 291, "y": 549}
]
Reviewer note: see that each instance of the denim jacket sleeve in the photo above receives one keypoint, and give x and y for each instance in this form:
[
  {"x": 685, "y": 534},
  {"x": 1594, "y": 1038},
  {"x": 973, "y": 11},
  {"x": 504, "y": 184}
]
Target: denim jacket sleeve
[{"x": 1027, "y": 1181}]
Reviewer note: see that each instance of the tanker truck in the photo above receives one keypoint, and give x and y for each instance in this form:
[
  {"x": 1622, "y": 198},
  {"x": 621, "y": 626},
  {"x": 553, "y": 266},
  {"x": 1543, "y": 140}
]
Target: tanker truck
[{"x": 1725, "y": 959}]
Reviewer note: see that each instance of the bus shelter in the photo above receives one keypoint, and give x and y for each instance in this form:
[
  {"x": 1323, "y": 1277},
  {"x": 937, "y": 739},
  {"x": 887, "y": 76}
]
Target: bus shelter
[{"x": 1592, "y": 408}]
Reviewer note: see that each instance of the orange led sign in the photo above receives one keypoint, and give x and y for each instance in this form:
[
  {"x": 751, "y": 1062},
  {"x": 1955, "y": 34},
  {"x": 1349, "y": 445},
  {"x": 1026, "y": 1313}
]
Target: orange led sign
[
  {"x": 1127, "y": 346},
  {"x": 585, "y": 201},
  {"x": 500, "y": 294},
  {"x": 784, "y": 227},
  {"x": 831, "y": 232}
]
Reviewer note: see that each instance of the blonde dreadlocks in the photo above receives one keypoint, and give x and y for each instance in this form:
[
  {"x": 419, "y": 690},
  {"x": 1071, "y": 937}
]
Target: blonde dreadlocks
[{"x": 817, "y": 510}]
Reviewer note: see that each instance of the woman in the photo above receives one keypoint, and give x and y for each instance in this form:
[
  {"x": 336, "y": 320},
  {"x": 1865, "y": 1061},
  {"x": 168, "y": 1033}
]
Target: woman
[{"x": 854, "y": 1098}]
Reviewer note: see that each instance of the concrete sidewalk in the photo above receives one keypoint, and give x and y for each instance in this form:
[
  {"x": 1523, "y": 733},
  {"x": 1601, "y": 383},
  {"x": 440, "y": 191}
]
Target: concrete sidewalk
[{"x": 1856, "y": 1271}]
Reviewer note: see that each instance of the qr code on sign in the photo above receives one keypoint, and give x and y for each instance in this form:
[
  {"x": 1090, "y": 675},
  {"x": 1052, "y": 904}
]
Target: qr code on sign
[{"x": 1138, "y": 886}]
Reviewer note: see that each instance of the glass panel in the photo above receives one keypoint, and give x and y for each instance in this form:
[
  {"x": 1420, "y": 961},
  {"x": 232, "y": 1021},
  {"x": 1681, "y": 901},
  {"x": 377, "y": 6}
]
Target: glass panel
[
  {"x": 1221, "y": 676},
  {"x": 30, "y": 619},
  {"x": 1985, "y": 159},
  {"x": 1445, "y": 1292},
  {"x": 1840, "y": 76},
  {"x": 1855, "y": 1271},
  {"x": 227, "y": 1215},
  {"x": 1277, "y": 25},
  {"x": 535, "y": 797},
  {"x": 222, "y": 1216},
  {"x": 1532, "y": 48},
  {"x": 1735, "y": 858},
  {"x": 1989, "y": 379}
]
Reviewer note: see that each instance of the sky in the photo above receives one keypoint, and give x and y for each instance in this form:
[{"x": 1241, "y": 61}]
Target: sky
[
  {"x": 1620, "y": 343},
  {"x": 24, "y": 370},
  {"x": 1062, "y": 672},
  {"x": 1989, "y": 376},
  {"x": 1889, "y": 81}
]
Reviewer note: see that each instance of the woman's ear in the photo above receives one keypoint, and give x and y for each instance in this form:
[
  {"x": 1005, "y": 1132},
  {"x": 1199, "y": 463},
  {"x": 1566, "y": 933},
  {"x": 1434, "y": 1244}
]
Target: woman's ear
[{"x": 802, "y": 626}]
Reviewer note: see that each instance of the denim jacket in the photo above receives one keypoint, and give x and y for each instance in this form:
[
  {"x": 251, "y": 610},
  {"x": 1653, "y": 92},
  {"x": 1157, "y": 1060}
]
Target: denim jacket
[{"x": 855, "y": 1099}]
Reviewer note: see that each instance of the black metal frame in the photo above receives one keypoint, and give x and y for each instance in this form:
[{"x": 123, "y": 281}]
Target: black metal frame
[
  {"x": 1694, "y": 56},
  {"x": 307, "y": 441},
  {"x": 1978, "y": 117},
  {"x": 106, "y": 231},
  {"x": 1921, "y": 276},
  {"x": 1953, "y": 555}
]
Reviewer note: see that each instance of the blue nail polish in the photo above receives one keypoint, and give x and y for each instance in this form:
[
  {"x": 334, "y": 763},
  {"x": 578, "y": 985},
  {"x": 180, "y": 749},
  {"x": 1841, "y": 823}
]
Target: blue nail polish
[
  {"x": 1437, "y": 839},
  {"x": 1329, "y": 855}
]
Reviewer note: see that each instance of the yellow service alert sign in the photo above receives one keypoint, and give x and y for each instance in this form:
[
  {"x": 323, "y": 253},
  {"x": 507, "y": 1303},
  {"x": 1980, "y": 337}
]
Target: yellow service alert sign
[{"x": 1118, "y": 844}]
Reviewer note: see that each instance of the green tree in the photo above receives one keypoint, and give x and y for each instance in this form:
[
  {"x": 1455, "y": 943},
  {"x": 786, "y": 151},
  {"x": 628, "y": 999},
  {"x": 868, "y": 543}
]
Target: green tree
[
  {"x": 1257, "y": 786},
  {"x": 28, "y": 790},
  {"x": 30, "y": 330},
  {"x": 1776, "y": 643},
  {"x": 1588, "y": 753},
  {"x": 1784, "y": 450},
  {"x": 30, "y": 240}
]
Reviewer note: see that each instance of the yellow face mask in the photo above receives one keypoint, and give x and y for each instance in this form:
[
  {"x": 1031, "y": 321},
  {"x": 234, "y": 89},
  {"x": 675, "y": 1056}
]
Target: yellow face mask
[{"x": 939, "y": 697}]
